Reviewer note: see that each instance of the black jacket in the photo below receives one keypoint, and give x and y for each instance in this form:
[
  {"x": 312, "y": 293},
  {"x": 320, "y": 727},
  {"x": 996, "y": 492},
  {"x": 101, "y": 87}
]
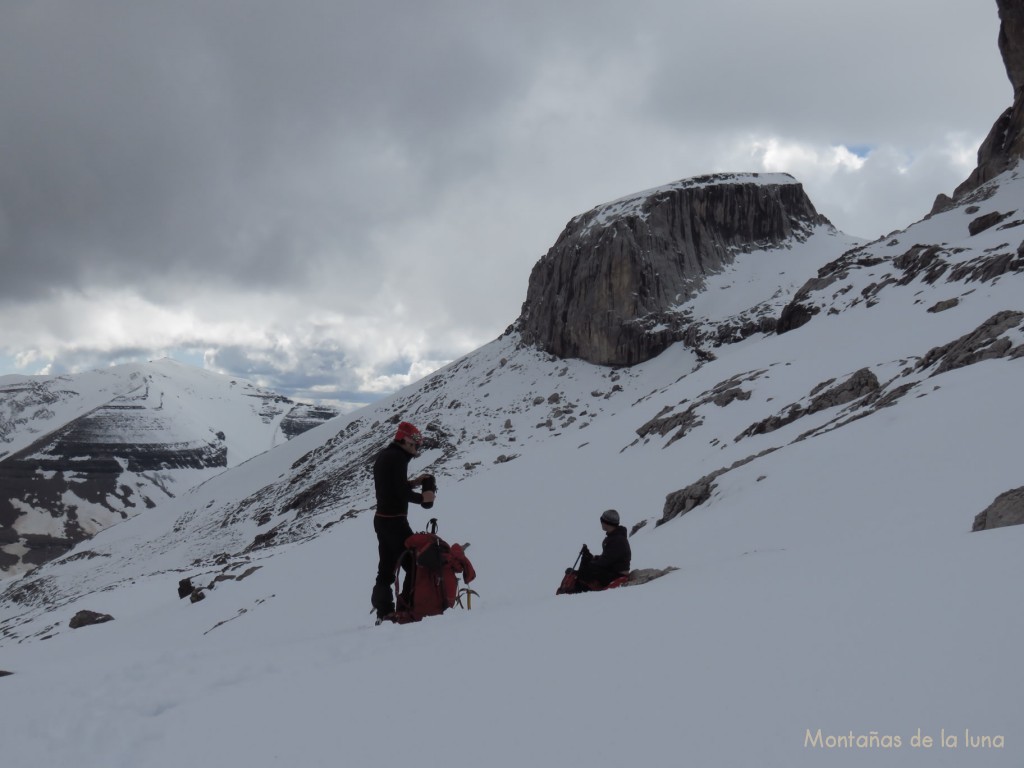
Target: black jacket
[
  {"x": 615, "y": 552},
  {"x": 390, "y": 480}
]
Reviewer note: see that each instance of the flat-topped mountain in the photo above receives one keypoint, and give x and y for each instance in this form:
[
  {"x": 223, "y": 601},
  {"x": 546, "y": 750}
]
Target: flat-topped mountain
[{"x": 612, "y": 288}]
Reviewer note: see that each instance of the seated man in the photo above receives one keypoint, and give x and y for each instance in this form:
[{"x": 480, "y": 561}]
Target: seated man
[{"x": 615, "y": 553}]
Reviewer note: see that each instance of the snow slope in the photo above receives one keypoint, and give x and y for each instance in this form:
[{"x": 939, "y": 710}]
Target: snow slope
[{"x": 831, "y": 605}]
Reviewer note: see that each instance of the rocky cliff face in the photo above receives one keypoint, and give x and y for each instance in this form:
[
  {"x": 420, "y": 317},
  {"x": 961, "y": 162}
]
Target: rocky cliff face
[
  {"x": 1004, "y": 145},
  {"x": 610, "y": 288}
]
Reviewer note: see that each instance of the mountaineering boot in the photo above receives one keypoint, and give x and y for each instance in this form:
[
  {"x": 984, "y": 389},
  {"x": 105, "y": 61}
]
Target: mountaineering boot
[{"x": 382, "y": 601}]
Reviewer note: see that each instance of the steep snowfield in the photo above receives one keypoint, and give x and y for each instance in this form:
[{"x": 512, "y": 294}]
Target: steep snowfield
[{"x": 830, "y": 583}]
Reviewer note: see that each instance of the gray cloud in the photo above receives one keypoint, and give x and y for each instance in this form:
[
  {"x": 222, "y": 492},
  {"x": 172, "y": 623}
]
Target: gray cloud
[
  {"x": 861, "y": 72},
  {"x": 151, "y": 139},
  {"x": 325, "y": 193}
]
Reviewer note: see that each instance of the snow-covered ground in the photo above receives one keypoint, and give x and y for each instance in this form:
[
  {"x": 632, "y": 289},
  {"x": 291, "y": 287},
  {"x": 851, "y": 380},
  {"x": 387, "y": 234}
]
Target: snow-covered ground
[{"x": 831, "y": 606}]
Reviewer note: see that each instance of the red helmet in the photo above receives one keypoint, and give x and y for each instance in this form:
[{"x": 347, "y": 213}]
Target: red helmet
[{"x": 407, "y": 430}]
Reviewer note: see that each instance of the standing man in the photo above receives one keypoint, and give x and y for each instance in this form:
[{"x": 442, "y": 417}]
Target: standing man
[{"x": 391, "y": 521}]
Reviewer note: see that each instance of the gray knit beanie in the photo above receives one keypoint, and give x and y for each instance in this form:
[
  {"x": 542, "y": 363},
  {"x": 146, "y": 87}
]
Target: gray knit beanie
[{"x": 610, "y": 517}]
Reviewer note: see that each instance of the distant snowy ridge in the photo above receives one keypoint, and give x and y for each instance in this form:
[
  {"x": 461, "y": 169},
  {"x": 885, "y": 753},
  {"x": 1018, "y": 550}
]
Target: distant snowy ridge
[{"x": 80, "y": 452}]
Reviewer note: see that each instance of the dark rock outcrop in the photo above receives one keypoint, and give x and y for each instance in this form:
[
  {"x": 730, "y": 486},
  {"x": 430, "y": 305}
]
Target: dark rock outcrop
[
  {"x": 1004, "y": 145},
  {"x": 943, "y": 305},
  {"x": 722, "y": 394},
  {"x": 987, "y": 221},
  {"x": 1007, "y": 509},
  {"x": 860, "y": 384},
  {"x": 802, "y": 307},
  {"x": 88, "y": 618},
  {"x": 986, "y": 342},
  {"x": 302, "y": 418},
  {"x": 686, "y": 499},
  {"x": 927, "y": 263},
  {"x": 609, "y": 289}
]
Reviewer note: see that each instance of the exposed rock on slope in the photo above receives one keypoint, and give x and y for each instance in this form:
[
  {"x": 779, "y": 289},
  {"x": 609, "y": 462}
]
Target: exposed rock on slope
[
  {"x": 1007, "y": 509},
  {"x": 859, "y": 396},
  {"x": 861, "y": 384},
  {"x": 607, "y": 291},
  {"x": 860, "y": 275},
  {"x": 987, "y": 342}
]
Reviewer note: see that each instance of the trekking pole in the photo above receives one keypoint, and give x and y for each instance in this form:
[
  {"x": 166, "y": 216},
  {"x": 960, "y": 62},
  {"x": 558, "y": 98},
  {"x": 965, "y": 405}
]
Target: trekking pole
[{"x": 578, "y": 558}]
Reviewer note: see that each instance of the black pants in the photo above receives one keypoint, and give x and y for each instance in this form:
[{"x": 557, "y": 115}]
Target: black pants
[
  {"x": 592, "y": 572},
  {"x": 391, "y": 535}
]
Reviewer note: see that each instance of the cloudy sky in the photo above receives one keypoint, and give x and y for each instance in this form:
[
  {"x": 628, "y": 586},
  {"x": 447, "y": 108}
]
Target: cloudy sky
[{"x": 334, "y": 197}]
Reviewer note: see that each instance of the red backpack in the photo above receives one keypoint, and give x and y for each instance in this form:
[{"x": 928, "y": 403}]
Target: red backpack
[
  {"x": 432, "y": 584},
  {"x": 572, "y": 583}
]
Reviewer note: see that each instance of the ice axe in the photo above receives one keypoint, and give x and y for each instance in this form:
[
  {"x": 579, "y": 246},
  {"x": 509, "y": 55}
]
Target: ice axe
[
  {"x": 468, "y": 594},
  {"x": 465, "y": 591}
]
